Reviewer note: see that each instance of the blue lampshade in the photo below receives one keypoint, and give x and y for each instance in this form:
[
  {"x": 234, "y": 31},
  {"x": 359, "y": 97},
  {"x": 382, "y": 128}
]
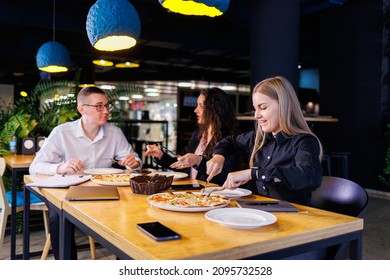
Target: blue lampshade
[
  {"x": 211, "y": 8},
  {"x": 113, "y": 25},
  {"x": 53, "y": 57}
]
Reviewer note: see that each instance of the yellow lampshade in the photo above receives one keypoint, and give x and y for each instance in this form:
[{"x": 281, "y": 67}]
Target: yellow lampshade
[
  {"x": 86, "y": 85},
  {"x": 103, "y": 62},
  {"x": 127, "y": 64},
  {"x": 113, "y": 43},
  {"x": 211, "y": 8}
]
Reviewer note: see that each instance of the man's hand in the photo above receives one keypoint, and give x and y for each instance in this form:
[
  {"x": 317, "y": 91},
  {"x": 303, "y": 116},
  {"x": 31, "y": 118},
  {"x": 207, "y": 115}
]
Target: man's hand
[
  {"x": 130, "y": 161},
  {"x": 72, "y": 166}
]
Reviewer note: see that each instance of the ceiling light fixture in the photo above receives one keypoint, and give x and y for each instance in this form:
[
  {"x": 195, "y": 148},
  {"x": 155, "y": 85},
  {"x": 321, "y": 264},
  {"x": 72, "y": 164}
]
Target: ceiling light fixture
[
  {"x": 137, "y": 96},
  {"x": 185, "y": 84},
  {"x": 113, "y": 25},
  {"x": 127, "y": 64},
  {"x": 102, "y": 62},
  {"x": 211, "y": 8},
  {"x": 52, "y": 56}
]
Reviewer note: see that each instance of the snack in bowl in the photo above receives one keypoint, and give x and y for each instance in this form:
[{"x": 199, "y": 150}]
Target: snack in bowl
[
  {"x": 145, "y": 184},
  {"x": 113, "y": 179},
  {"x": 187, "y": 200}
]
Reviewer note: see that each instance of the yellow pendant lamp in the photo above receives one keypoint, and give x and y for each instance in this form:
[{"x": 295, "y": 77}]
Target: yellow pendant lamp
[
  {"x": 211, "y": 8},
  {"x": 113, "y": 25}
]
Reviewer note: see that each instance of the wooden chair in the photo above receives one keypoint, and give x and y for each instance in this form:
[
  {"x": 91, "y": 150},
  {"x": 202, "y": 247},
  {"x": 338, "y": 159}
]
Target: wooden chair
[
  {"x": 6, "y": 208},
  {"x": 344, "y": 197},
  {"x": 5, "y": 211}
]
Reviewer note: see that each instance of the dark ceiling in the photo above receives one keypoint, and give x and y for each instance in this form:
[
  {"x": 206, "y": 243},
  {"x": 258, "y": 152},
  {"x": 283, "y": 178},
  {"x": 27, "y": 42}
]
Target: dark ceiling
[{"x": 171, "y": 46}]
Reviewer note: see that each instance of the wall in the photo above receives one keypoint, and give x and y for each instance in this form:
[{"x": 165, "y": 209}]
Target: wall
[
  {"x": 6, "y": 94},
  {"x": 350, "y": 87}
]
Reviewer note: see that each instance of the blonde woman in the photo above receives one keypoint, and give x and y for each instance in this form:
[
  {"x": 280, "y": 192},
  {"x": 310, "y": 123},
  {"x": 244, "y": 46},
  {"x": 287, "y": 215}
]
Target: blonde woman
[{"x": 285, "y": 155}]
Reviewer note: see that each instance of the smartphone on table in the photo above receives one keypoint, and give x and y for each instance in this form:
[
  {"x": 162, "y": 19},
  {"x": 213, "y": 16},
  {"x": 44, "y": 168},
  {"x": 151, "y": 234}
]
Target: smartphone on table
[{"x": 158, "y": 231}]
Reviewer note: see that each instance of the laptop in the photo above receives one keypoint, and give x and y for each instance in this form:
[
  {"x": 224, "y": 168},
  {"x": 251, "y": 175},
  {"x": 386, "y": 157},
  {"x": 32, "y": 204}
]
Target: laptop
[{"x": 76, "y": 193}]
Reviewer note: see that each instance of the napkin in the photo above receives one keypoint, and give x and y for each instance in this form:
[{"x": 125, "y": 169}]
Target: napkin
[{"x": 60, "y": 181}]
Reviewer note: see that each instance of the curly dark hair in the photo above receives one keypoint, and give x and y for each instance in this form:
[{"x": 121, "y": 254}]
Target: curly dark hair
[{"x": 218, "y": 114}]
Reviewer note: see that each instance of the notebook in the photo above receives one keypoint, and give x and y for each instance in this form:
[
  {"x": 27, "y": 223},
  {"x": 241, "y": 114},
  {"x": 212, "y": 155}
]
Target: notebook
[
  {"x": 92, "y": 193},
  {"x": 268, "y": 205}
]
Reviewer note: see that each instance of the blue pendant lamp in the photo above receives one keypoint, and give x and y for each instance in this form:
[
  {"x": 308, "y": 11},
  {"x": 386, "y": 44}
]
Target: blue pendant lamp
[
  {"x": 53, "y": 57},
  {"x": 113, "y": 25},
  {"x": 211, "y": 8}
]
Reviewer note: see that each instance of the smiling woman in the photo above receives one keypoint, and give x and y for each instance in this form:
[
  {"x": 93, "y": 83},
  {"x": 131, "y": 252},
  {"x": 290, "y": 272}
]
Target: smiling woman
[{"x": 284, "y": 153}]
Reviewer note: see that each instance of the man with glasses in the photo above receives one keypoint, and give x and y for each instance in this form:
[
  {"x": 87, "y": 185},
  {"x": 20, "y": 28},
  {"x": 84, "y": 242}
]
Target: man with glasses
[{"x": 89, "y": 142}]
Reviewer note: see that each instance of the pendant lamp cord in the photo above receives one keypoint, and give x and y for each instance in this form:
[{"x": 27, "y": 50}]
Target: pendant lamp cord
[{"x": 54, "y": 20}]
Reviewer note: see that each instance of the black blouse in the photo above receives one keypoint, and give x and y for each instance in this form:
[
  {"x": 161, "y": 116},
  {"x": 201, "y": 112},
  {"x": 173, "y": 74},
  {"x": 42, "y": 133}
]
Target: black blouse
[
  {"x": 292, "y": 159},
  {"x": 232, "y": 162}
]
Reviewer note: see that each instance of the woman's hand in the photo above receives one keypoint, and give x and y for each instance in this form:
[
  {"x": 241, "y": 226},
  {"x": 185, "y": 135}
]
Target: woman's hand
[
  {"x": 214, "y": 166},
  {"x": 153, "y": 150},
  {"x": 188, "y": 160},
  {"x": 72, "y": 166},
  {"x": 236, "y": 179}
]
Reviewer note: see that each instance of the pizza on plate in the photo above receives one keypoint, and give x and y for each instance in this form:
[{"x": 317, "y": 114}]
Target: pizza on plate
[
  {"x": 187, "y": 199},
  {"x": 114, "y": 178}
]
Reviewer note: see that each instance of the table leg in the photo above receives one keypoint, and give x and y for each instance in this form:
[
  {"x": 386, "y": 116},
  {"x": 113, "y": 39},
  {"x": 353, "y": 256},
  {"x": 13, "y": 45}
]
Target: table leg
[
  {"x": 13, "y": 215},
  {"x": 355, "y": 249},
  {"x": 26, "y": 225},
  {"x": 65, "y": 237}
]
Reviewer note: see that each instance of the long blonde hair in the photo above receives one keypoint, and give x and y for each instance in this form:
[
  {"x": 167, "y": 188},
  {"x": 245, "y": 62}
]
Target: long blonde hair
[{"x": 291, "y": 118}]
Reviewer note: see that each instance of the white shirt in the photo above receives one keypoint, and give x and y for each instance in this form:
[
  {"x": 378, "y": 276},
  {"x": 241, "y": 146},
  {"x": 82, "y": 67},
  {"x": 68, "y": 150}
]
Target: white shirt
[{"x": 68, "y": 141}]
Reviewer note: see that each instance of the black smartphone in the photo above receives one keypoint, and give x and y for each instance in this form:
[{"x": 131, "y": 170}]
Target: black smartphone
[
  {"x": 187, "y": 187},
  {"x": 158, "y": 231}
]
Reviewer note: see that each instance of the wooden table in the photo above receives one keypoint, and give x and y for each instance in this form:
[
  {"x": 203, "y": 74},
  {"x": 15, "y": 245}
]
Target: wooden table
[
  {"x": 16, "y": 163},
  {"x": 113, "y": 225}
]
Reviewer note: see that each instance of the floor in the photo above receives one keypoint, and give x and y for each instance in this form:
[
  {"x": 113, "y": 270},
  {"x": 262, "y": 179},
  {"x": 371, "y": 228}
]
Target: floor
[{"x": 376, "y": 236}]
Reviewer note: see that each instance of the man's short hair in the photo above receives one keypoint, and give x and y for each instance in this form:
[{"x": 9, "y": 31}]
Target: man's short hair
[{"x": 87, "y": 91}]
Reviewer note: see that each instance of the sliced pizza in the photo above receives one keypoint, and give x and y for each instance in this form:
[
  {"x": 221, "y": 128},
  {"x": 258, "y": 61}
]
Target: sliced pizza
[
  {"x": 114, "y": 178},
  {"x": 187, "y": 199}
]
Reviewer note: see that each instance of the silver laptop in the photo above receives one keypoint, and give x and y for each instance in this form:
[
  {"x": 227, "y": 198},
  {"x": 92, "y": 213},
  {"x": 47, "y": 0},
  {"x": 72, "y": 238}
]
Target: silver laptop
[{"x": 92, "y": 193}]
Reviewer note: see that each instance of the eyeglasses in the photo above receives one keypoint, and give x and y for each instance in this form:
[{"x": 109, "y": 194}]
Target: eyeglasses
[{"x": 100, "y": 108}]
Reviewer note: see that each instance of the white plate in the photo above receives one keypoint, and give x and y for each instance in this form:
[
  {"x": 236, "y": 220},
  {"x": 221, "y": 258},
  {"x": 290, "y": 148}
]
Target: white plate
[
  {"x": 183, "y": 209},
  {"x": 176, "y": 175},
  {"x": 242, "y": 218},
  {"x": 237, "y": 193},
  {"x": 108, "y": 183},
  {"x": 102, "y": 171}
]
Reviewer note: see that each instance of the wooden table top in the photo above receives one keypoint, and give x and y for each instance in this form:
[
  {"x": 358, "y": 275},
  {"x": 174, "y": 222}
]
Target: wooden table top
[
  {"x": 201, "y": 239},
  {"x": 57, "y": 195},
  {"x": 18, "y": 161}
]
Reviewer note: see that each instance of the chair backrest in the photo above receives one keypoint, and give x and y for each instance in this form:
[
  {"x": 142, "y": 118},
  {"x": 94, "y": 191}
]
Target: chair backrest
[
  {"x": 344, "y": 197},
  {"x": 341, "y": 196},
  {"x": 4, "y": 207}
]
